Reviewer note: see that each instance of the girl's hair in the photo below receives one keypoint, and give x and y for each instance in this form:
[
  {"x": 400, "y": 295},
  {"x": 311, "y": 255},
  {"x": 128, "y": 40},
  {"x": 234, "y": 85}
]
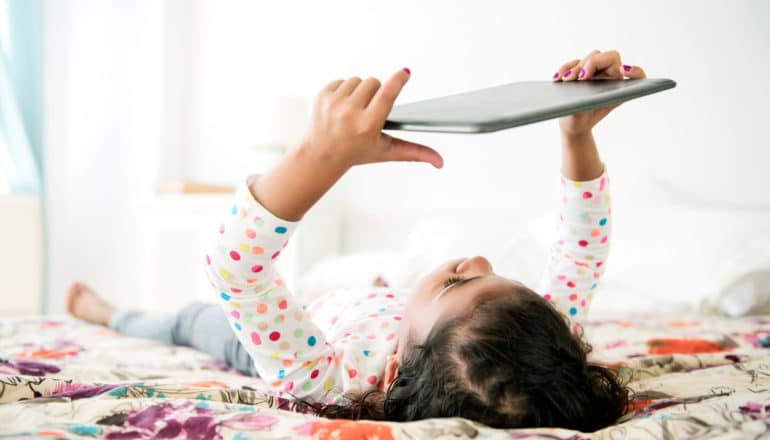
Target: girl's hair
[{"x": 510, "y": 362}]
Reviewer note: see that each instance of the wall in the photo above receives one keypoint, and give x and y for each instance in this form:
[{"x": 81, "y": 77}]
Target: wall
[{"x": 701, "y": 137}]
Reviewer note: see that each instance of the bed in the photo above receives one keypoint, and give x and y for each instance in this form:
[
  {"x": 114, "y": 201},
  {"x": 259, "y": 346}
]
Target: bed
[{"x": 703, "y": 377}]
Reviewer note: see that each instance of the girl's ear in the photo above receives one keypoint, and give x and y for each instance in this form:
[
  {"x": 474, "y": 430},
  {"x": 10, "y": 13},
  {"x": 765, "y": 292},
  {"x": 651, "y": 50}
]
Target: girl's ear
[{"x": 391, "y": 371}]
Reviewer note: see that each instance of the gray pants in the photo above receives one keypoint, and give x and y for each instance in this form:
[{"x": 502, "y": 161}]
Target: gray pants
[{"x": 198, "y": 325}]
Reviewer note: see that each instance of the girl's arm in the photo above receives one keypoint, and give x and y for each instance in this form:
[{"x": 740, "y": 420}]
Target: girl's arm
[
  {"x": 577, "y": 258},
  {"x": 289, "y": 351}
]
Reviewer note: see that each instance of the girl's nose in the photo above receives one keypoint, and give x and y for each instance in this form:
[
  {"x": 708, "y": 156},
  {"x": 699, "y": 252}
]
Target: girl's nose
[{"x": 477, "y": 265}]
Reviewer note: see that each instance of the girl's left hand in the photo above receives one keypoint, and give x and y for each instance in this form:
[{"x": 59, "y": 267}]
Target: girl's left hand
[{"x": 595, "y": 66}]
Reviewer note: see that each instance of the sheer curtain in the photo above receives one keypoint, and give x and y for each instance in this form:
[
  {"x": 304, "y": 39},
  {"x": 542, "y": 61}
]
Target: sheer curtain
[{"x": 20, "y": 94}]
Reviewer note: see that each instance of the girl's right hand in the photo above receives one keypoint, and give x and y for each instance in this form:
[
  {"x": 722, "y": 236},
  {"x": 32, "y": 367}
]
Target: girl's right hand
[{"x": 348, "y": 117}]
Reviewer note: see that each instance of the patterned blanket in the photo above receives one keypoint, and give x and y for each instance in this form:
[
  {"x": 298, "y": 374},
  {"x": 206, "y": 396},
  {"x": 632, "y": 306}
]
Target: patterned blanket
[{"x": 702, "y": 377}]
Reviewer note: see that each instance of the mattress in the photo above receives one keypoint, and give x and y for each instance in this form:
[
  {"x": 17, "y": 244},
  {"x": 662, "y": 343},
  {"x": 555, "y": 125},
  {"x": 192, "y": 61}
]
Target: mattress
[{"x": 704, "y": 377}]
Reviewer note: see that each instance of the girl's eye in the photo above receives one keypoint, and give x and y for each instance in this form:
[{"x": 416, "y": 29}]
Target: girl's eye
[{"x": 451, "y": 281}]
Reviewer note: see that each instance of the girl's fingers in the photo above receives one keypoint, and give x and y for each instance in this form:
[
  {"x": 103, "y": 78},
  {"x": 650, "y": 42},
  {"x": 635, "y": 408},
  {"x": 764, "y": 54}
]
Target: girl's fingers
[
  {"x": 604, "y": 65},
  {"x": 633, "y": 72},
  {"x": 383, "y": 100},
  {"x": 565, "y": 70},
  {"x": 365, "y": 91},
  {"x": 348, "y": 86},
  {"x": 332, "y": 86},
  {"x": 405, "y": 151},
  {"x": 585, "y": 72}
]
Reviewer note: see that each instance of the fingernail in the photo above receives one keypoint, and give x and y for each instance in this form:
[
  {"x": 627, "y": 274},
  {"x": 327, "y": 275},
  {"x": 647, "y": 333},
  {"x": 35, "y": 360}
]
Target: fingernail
[
  {"x": 555, "y": 75},
  {"x": 406, "y": 69},
  {"x": 582, "y": 73},
  {"x": 627, "y": 68},
  {"x": 567, "y": 73}
]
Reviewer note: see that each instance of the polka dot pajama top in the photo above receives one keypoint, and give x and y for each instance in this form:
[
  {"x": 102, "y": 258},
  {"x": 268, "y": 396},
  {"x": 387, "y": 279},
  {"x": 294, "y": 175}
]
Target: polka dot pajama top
[{"x": 338, "y": 344}]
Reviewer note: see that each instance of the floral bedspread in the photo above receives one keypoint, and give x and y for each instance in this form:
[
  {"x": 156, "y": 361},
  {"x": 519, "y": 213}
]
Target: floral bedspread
[{"x": 699, "y": 377}]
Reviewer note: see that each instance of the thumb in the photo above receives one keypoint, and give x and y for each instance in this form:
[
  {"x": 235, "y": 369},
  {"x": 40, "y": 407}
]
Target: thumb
[{"x": 404, "y": 151}]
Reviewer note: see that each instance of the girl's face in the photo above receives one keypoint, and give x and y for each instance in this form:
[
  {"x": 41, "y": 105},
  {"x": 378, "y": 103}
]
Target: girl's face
[{"x": 454, "y": 288}]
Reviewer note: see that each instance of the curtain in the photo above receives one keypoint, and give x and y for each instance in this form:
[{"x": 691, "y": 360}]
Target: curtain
[{"x": 21, "y": 94}]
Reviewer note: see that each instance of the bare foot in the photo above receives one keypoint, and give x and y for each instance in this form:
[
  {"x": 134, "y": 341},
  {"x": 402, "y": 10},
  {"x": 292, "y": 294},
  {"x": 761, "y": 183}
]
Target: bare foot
[{"x": 83, "y": 303}]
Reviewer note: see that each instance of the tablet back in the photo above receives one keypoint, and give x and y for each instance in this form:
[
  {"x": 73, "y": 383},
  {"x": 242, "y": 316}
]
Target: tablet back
[{"x": 520, "y": 103}]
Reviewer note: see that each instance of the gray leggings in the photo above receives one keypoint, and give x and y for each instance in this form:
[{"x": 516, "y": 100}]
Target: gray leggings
[{"x": 198, "y": 325}]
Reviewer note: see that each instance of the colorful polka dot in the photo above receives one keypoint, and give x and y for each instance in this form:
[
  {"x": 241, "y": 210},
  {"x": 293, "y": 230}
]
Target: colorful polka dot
[
  {"x": 255, "y": 338},
  {"x": 280, "y": 230},
  {"x": 237, "y": 326},
  {"x": 224, "y": 274},
  {"x": 573, "y": 297},
  {"x": 372, "y": 379},
  {"x": 208, "y": 260},
  {"x": 222, "y": 229},
  {"x": 311, "y": 341},
  {"x": 583, "y": 243},
  {"x": 603, "y": 221},
  {"x": 234, "y": 210},
  {"x": 235, "y": 255},
  {"x": 275, "y": 255},
  {"x": 274, "y": 336},
  {"x": 282, "y": 304},
  {"x": 225, "y": 296},
  {"x": 570, "y": 284},
  {"x": 250, "y": 233},
  {"x": 235, "y": 314},
  {"x": 328, "y": 384},
  {"x": 256, "y": 268},
  {"x": 261, "y": 308},
  {"x": 573, "y": 311},
  {"x": 587, "y": 195},
  {"x": 298, "y": 332},
  {"x": 314, "y": 374}
]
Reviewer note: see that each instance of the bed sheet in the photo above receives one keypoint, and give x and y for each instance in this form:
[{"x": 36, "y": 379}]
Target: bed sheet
[{"x": 694, "y": 377}]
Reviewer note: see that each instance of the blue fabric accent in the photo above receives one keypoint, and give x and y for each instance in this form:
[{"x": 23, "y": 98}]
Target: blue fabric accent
[{"x": 20, "y": 94}]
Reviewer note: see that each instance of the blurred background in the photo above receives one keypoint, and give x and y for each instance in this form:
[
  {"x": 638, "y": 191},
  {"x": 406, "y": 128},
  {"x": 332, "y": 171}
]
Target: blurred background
[{"x": 124, "y": 124}]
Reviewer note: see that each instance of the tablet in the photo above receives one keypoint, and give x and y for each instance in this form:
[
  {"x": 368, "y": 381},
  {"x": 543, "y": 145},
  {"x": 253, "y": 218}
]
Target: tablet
[{"x": 515, "y": 104}]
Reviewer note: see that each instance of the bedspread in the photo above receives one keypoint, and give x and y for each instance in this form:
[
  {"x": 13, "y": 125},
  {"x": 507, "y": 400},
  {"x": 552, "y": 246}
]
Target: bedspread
[{"x": 697, "y": 377}]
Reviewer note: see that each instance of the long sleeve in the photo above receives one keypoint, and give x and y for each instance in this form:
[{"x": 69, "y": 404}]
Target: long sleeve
[
  {"x": 577, "y": 258},
  {"x": 289, "y": 351}
]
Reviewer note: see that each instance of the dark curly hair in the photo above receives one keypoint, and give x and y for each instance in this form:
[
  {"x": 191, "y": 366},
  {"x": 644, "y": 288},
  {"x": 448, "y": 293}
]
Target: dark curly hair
[{"x": 508, "y": 363}]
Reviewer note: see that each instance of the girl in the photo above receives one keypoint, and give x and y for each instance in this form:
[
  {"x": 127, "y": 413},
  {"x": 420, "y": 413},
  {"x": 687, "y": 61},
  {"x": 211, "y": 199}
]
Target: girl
[{"x": 468, "y": 343}]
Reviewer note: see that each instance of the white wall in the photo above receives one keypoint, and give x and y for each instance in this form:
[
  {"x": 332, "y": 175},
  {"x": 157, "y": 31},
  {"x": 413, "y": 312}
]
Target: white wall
[
  {"x": 103, "y": 102},
  {"x": 703, "y": 137},
  {"x": 143, "y": 89}
]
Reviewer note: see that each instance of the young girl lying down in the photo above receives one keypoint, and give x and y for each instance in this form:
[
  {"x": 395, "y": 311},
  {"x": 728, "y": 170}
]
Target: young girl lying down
[{"x": 464, "y": 342}]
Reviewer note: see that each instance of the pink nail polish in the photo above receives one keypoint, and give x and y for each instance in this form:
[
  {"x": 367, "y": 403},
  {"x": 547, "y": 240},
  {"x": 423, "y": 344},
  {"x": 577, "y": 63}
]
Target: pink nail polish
[
  {"x": 555, "y": 75},
  {"x": 406, "y": 69},
  {"x": 627, "y": 68},
  {"x": 567, "y": 73},
  {"x": 582, "y": 73}
]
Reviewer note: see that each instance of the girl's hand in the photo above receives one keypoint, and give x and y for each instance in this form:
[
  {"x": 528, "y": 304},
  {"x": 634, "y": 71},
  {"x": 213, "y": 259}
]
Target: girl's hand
[
  {"x": 348, "y": 117},
  {"x": 595, "y": 66}
]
